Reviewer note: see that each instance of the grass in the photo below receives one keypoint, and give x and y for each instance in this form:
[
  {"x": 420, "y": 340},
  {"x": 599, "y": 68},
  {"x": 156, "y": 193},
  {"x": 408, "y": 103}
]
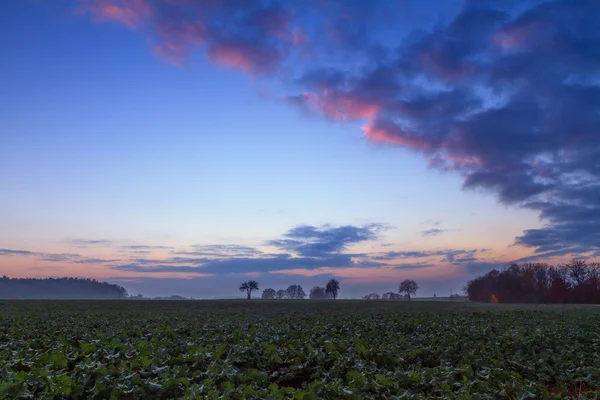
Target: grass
[{"x": 282, "y": 349}]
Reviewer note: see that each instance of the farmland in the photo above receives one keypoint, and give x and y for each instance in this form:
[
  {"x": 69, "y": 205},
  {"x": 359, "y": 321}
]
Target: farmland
[{"x": 297, "y": 350}]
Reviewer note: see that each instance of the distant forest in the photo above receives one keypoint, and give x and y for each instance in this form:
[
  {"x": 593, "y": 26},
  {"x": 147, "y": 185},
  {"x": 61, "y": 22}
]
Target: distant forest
[
  {"x": 575, "y": 282},
  {"x": 59, "y": 288}
]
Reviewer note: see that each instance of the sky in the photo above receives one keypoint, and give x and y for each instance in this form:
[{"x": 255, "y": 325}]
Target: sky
[{"x": 182, "y": 147}]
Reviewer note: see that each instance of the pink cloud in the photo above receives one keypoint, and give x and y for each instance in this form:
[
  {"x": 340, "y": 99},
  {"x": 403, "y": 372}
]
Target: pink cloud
[
  {"x": 356, "y": 108},
  {"x": 390, "y": 274},
  {"x": 395, "y": 135},
  {"x": 179, "y": 33},
  {"x": 512, "y": 37},
  {"x": 245, "y": 56},
  {"x": 128, "y": 12},
  {"x": 445, "y": 154},
  {"x": 339, "y": 105}
]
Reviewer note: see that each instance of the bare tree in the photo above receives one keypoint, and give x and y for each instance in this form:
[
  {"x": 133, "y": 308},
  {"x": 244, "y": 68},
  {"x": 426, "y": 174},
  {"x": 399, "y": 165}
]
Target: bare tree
[
  {"x": 372, "y": 296},
  {"x": 317, "y": 293},
  {"x": 269, "y": 293},
  {"x": 332, "y": 288},
  {"x": 249, "y": 287},
  {"x": 281, "y": 294},
  {"x": 408, "y": 287},
  {"x": 578, "y": 271},
  {"x": 295, "y": 292},
  {"x": 390, "y": 296}
]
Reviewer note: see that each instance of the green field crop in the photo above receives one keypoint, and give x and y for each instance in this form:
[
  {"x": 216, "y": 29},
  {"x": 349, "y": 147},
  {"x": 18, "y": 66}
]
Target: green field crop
[{"x": 297, "y": 350}]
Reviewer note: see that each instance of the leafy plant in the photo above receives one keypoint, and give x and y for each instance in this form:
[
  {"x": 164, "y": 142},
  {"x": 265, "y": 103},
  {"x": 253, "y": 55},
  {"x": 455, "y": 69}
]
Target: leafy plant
[{"x": 296, "y": 350}]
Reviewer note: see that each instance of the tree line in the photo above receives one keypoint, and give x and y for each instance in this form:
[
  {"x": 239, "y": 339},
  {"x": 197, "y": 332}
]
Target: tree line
[
  {"x": 60, "y": 289},
  {"x": 294, "y": 292},
  {"x": 406, "y": 288},
  {"x": 574, "y": 282}
]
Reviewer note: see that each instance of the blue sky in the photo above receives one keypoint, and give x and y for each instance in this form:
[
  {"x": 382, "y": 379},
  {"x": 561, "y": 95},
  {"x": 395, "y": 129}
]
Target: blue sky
[{"x": 426, "y": 129}]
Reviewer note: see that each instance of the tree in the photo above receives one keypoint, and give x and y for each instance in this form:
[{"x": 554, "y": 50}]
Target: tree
[
  {"x": 372, "y": 296},
  {"x": 332, "y": 288},
  {"x": 269, "y": 293},
  {"x": 390, "y": 296},
  {"x": 576, "y": 282},
  {"x": 408, "y": 287},
  {"x": 295, "y": 292},
  {"x": 249, "y": 287},
  {"x": 577, "y": 271},
  {"x": 317, "y": 293},
  {"x": 59, "y": 288},
  {"x": 281, "y": 294}
]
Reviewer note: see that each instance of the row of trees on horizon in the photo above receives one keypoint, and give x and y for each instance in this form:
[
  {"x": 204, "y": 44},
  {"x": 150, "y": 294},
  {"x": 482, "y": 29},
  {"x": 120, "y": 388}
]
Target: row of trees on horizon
[
  {"x": 575, "y": 282},
  {"x": 294, "y": 292},
  {"x": 60, "y": 289},
  {"x": 406, "y": 289}
]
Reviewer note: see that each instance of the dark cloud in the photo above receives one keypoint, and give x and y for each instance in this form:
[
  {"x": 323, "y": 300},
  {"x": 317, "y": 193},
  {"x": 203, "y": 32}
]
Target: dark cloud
[
  {"x": 60, "y": 257},
  {"x": 220, "y": 250},
  {"x": 238, "y": 265},
  {"x": 504, "y": 93},
  {"x": 391, "y": 255},
  {"x": 411, "y": 266},
  {"x": 507, "y": 97},
  {"x": 322, "y": 241},
  {"x": 432, "y": 232},
  {"x": 312, "y": 247},
  {"x": 10, "y": 252},
  {"x": 86, "y": 260},
  {"x": 323, "y": 78},
  {"x": 57, "y": 257},
  {"x": 459, "y": 256},
  {"x": 448, "y": 255}
]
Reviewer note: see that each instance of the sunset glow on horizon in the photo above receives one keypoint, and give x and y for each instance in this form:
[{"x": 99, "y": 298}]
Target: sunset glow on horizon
[{"x": 179, "y": 147}]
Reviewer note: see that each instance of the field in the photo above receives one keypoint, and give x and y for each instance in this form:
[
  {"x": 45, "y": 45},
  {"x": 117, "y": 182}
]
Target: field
[{"x": 297, "y": 350}]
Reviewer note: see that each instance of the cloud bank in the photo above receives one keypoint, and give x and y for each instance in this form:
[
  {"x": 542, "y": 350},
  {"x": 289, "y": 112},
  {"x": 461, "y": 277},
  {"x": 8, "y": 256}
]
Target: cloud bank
[
  {"x": 302, "y": 250},
  {"x": 505, "y": 94}
]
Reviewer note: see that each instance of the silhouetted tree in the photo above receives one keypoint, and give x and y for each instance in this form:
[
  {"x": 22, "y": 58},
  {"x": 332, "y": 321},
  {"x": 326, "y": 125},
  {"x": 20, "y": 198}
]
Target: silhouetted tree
[
  {"x": 391, "y": 296},
  {"x": 372, "y": 296},
  {"x": 281, "y": 294},
  {"x": 249, "y": 287},
  {"x": 59, "y": 288},
  {"x": 408, "y": 287},
  {"x": 295, "y": 292},
  {"x": 317, "y": 293},
  {"x": 332, "y": 288},
  {"x": 269, "y": 293},
  {"x": 575, "y": 282}
]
